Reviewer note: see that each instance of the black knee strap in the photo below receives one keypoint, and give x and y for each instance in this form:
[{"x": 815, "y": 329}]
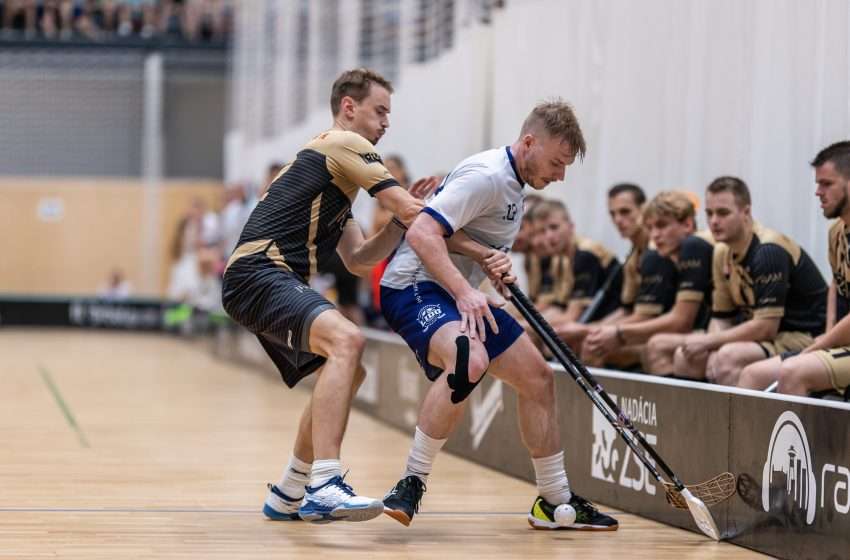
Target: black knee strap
[{"x": 459, "y": 380}]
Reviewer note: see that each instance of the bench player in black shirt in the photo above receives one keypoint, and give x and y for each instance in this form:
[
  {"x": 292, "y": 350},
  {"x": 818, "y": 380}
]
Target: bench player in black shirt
[
  {"x": 824, "y": 364},
  {"x": 769, "y": 296}
]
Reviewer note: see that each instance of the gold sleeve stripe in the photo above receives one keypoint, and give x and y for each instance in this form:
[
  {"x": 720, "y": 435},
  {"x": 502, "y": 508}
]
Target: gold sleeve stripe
[
  {"x": 311, "y": 234},
  {"x": 649, "y": 309},
  {"x": 769, "y": 312},
  {"x": 689, "y": 295}
]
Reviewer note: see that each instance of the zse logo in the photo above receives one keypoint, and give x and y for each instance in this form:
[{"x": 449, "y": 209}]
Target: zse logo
[{"x": 609, "y": 460}]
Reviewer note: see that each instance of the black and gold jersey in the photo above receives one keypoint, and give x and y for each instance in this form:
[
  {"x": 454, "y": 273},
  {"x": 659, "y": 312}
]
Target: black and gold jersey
[
  {"x": 298, "y": 223},
  {"x": 631, "y": 276},
  {"x": 656, "y": 292},
  {"x": 693, "y": 268},
  {"x": 560, "y": 279},
  {"x": 839, "y": 261},
  {"x": 775, "y": 277}
]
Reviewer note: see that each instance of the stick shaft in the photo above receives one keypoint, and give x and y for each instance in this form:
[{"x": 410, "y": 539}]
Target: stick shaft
[{"x": 633, "y": 438}]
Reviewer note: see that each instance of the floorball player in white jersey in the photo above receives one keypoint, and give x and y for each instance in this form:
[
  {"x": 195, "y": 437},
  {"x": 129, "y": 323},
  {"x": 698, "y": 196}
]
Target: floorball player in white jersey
[{"x": 430, "y": 297}]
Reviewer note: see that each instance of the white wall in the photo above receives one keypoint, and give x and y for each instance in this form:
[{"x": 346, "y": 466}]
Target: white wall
[{"x": 670, "y": 94}]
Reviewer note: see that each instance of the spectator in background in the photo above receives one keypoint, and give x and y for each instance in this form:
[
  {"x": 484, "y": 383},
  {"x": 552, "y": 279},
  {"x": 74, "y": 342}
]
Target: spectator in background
[
  {"x": 116, "y": 286},
  {"x": 272, "y": 172},
  {"x": 234, "y": 215}
]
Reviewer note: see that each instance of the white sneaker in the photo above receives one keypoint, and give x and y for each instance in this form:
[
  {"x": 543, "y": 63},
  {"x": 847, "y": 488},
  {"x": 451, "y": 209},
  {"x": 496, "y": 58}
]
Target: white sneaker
[
  {"x": 334, "y": 501},
  {"x": 279, "y": 506}
]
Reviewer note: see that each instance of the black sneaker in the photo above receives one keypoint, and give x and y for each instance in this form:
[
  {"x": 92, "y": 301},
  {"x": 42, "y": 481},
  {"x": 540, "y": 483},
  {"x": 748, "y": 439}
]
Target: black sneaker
[
  {"x": 403, "y": 500},
  {"x": 588, "y": 518}
]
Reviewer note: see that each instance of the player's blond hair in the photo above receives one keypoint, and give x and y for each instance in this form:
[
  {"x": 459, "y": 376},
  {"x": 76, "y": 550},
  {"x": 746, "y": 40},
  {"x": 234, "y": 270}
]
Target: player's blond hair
[
  {"x": 557, "y": 118},
  {"x": 670, "y": 204}
]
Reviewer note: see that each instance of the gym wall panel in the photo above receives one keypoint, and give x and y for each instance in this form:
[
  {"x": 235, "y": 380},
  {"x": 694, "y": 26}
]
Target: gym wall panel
[{"x": 64, "y": 236}]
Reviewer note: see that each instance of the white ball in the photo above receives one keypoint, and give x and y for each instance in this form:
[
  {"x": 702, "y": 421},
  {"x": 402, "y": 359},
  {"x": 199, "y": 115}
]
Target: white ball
[{"x": 565, "y": 515}]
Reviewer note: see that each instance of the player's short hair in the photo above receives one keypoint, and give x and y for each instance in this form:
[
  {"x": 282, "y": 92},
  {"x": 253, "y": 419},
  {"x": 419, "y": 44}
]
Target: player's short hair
[
  {"x": 637, "y": 193},
  {"x": 838, "y": 154},
  {"x": 547, "y": 208},
  {"x": 557, "y": 118},
  {"x": 355, "y": 84},
  {"x": 733, "y": 185},
  {"x": 670, "y": 204}
]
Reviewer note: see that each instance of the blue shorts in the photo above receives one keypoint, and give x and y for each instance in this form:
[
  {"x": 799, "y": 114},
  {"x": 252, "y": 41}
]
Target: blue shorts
[{"x": 418, "y": 311}]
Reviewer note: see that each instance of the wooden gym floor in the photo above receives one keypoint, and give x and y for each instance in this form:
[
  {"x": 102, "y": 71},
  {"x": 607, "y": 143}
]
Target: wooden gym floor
[{"x": 118, "y": 445}]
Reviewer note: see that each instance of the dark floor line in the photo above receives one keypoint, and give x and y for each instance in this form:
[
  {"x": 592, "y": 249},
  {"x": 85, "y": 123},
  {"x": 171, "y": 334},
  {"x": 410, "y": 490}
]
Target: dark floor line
[
  {"x": 241, "y": 511},
  {"x": 57, "y": 396}
]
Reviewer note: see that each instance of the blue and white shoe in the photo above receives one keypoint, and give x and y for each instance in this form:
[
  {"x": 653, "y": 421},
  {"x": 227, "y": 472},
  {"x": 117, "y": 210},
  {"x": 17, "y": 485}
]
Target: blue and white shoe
[
  {"x": 280, "y": 507},
  {"x": 336, "y": 501}
]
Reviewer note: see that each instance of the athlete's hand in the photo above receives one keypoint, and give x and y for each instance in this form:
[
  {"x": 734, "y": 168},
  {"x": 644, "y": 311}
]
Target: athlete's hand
[
  {"x": 474, "y": 307},
  {"x": 696, "y": 345},
  {"x": 423, "y": 187},
  {"x": 602, "y": 341},
  {"x": 497, "y": 265}
]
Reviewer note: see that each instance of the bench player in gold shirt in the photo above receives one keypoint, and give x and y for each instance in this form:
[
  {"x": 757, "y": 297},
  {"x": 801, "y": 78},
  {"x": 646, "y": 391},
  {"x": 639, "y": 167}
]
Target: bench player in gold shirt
[
  {"x": 769, "y": 297},
  {"x": 824, "y": 364}
]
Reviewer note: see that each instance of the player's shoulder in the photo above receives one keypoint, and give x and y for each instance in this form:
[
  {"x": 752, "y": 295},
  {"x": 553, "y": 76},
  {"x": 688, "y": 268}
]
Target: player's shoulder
[
  {"x": 836, "y": 229},
  {"x": 772, "y": 243},
  {"x": 696, "y": 244},
  {"x": 335, "y": 139},
  {"x": 594, "y": 249}
]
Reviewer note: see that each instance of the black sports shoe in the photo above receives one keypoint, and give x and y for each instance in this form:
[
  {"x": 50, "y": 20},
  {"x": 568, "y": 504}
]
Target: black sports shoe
[
  {"x": 588, "y": 518},
  {"x": 402, "y": 502}
]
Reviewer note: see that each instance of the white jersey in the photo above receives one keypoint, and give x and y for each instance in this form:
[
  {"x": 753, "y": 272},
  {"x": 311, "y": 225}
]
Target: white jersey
[{"x": 483, "y": 196}]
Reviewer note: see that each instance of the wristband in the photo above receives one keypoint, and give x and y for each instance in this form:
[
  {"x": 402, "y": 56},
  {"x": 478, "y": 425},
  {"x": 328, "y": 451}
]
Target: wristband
[{"x": 399, "y": 223}]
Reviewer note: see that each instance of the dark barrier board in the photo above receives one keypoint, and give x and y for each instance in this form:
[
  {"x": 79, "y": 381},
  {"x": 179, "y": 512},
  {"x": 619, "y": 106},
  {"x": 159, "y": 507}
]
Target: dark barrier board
[{"x": 700, "y": 430}]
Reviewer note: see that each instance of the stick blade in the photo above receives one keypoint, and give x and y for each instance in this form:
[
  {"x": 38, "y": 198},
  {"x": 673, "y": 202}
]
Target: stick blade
[
  {"x": 702, "y": 517},
  {"x": 710, "y": 492}
]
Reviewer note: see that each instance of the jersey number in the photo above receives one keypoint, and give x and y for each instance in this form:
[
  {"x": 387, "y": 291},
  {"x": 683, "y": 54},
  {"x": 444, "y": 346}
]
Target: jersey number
[{"x": 510, "y": 214}]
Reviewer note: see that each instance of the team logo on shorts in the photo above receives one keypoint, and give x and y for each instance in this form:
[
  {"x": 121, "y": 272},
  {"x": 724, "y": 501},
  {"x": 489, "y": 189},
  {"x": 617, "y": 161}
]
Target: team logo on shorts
[{"x": 429, "y": 314}]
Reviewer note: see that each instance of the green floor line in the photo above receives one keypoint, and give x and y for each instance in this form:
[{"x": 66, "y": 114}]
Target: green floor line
[{"x": 61, "y": 402}]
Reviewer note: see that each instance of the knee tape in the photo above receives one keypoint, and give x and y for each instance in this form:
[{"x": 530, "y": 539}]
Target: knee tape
[{"x": 459, "y": 380}]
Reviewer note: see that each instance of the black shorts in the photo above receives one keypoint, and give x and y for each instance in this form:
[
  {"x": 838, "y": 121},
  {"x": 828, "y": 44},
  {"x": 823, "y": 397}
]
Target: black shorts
[{"x": 278, "y": 307}]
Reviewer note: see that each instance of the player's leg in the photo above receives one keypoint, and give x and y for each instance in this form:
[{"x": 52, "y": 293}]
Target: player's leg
[
  {"x": 660, "y": 349},
  {"x": 518, "y": 363},
  {"x": 284, "y": 498},
  {"x": 760, "y": 374},
  {"x": 815, "y": 371},
  {"x": 693, "y": 367},
  {"x": 726, "y": 364},
  {"x": 463, "y": 362},
  {"x": 328, "y": 497}
]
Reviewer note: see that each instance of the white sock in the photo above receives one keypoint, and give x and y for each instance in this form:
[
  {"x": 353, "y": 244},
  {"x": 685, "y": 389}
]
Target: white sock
[
  {"x": 552, "y": 483},
  {"x": 422, "y": 454},
  {"x": 324, "y": 470},
  {"x": 295, "y": 477}
]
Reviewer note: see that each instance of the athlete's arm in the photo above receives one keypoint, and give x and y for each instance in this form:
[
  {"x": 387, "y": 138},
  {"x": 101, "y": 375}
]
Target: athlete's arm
[
  {"x": 426, "y": 238},
  {"x": 497, "y": 264},
  {"x": 402, "y": 203},
  {"x": 839, "y": 333},
  {"x": 360, "y": 255}
]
